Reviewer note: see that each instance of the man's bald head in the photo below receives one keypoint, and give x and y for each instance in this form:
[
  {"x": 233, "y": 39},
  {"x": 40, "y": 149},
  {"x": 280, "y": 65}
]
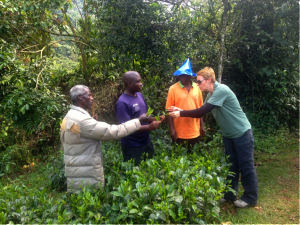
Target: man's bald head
[{"x": 129, "y": 76}]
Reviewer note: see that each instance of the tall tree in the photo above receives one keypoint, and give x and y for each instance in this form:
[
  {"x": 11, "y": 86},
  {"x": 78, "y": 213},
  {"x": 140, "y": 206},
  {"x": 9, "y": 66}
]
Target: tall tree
[
  {"x": 227, "y": 7},
  {"x": 263, "y": 63}
]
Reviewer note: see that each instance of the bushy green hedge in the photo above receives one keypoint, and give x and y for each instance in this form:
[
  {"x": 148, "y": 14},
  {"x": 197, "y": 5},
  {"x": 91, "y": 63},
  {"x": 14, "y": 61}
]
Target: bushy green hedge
[{"x": 171, "y": 188}]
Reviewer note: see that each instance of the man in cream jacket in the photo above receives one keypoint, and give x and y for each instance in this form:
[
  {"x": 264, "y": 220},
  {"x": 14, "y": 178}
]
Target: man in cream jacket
[{"x": 81, "y": 137}]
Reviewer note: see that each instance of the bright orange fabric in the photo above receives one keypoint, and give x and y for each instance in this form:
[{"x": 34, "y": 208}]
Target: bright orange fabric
[{"x": 185, "y": 127}]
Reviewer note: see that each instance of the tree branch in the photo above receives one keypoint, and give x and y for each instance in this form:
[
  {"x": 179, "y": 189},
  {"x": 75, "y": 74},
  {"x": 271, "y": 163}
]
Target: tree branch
[
  {"x": 78, "y": 9},
  {"x": 37, "y": 79},
  {"x": 51, "y": 43}
]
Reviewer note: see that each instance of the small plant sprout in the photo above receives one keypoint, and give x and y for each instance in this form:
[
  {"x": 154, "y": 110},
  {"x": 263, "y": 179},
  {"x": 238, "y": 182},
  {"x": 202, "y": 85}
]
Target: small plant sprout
[
  {"x": 157, "y": 117},
  {"x": 167, "y": 113},
  {"x": 149, "y": 111},
  {"x": 163, "y": 113}
]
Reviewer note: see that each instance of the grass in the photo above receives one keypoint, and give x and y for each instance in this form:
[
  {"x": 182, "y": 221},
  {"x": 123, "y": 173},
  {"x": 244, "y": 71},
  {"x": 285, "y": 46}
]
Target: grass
[
  {"x": 34, "y": 177},
  {"x": 278, "y": 182}
]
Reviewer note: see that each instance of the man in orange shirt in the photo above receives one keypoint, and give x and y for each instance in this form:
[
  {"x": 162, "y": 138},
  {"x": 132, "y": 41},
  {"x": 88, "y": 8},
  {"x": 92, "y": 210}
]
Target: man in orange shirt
[{"x": 185, "y": 95}]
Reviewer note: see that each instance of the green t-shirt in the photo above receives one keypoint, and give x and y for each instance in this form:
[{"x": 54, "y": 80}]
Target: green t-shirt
[{"x": 228, "y": 112}]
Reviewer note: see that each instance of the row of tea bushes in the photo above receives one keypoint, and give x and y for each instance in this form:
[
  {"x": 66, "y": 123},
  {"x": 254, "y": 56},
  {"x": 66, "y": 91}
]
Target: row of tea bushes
[{"x": 170, "y": 188}]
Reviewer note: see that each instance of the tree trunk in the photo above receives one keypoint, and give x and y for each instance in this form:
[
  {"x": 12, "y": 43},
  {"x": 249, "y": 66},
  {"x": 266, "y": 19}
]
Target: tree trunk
[
  {"x": 84, "y": 61},
  {"x": 223, "y": 31}
]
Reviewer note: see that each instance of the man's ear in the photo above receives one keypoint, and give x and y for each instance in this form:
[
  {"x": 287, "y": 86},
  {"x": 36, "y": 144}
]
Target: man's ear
[
  {"x": 79, "y": 97},
  {"x": 128, "y": 83}
]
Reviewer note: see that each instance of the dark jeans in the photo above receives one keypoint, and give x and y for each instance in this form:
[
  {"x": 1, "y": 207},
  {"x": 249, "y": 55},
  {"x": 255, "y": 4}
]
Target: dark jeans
[
  {"x": 240, "y": 152},
  {"x": 137, "y": 153},
  {"x": 188, "y": 143}
]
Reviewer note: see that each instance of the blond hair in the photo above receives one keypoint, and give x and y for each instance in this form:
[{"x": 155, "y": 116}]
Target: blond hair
[{"x": 206, "y": 73}]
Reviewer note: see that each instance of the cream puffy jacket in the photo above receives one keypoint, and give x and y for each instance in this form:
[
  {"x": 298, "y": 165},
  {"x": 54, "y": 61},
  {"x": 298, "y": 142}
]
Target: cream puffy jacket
[{"x": 81, "y": 137}]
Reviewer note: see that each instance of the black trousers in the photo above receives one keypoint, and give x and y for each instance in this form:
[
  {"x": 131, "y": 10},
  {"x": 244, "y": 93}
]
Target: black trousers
[
  {"x": 240, "y": 152},
  {"x": 138, "y": 153},
  {"x": 188, "y": 143}
]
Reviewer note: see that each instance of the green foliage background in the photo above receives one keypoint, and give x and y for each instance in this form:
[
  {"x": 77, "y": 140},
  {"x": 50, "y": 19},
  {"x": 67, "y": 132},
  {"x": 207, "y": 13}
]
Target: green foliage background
[{"x": 46, "y": 47}]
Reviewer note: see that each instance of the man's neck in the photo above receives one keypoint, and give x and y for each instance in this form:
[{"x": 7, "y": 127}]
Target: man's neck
[
  {"x": 129, "y": 92},
  {"x": 187, "y": 84},
  {"x": 80, "y": 106}
]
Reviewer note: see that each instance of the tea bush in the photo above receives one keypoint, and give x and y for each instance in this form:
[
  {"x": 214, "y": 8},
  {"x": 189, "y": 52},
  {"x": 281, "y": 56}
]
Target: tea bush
[
  {"x": 5, "y": 164},
  {"x": 170, "y": 188},
  {"x": 57, "y": 177}
]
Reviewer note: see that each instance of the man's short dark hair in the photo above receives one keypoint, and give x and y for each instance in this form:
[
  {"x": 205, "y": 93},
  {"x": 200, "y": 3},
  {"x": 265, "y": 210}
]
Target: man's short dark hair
[{"x": 127, "y": 77}]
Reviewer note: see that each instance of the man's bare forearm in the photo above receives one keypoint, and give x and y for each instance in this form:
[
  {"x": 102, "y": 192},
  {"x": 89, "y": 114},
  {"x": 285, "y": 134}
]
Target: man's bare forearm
[{"x": 170, "y": 120}]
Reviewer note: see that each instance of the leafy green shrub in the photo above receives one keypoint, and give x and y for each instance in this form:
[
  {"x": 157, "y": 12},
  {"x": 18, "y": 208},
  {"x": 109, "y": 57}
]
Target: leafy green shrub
[
  {"x": 155, "y": 91},
  {"x": 5, "y": 164},
  {"x": 19, "y": 204},
  {"x": 263, "y": 64},
  {"x": 269, "y": 143},
  {"x": 106, "y": 94},
  {"x": 170, "y": 188},
  {"x": 33, "y": 111},
  {"x": 20, "y": 154},
  {"x": 57, "y": 176},
  {"x": 6, "y": 133}
]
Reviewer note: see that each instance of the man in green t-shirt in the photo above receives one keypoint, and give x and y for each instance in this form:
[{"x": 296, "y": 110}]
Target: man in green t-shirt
[{"x": 237, "y": 134}]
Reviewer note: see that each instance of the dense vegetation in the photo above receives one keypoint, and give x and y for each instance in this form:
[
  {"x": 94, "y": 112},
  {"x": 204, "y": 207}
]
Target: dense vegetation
[
  {"x": 46, "y": 47},
  {"x": 171, "y": 188}
]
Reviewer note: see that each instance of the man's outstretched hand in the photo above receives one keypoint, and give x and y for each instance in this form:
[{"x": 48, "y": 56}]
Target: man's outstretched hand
[
  {"x": 161, "y": 118},
  {"x": 95, "y": 117},
  {"x": 174, "y": 108},
  {"x": 144, "y": 118},
  {"x": 154, "y": 125},
  {"x": 175, "y": 114}
]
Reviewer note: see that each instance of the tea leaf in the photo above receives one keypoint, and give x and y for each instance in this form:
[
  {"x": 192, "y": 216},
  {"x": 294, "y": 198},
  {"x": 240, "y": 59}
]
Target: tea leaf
[
  {"x": 149, "y": 111},
  {"x": 209, "y": 176},
  {"x": 161, "y": 216},
  {"x": 117, "y": 193},
  {"x": 172, "y": 214},
  {"x": 194, "y": 207},
  {"x": 147, "y": 208},
  {"x": 53, "y": 209},
  {"x": 198, "y": 221},
  {"x": 115, "y": 207},
  {"x": 180, "y": 211},
  {"x": 122, "y": 216},
  {"x": 184, "y": 176},
  {"x": 133, "y": 211},
  {"x": 171, "y": 188},
  {"x": 135, "y": 204}
]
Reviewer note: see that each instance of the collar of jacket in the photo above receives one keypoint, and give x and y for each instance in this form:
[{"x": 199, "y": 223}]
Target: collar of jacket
[{"x": 79, "y": 109}]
